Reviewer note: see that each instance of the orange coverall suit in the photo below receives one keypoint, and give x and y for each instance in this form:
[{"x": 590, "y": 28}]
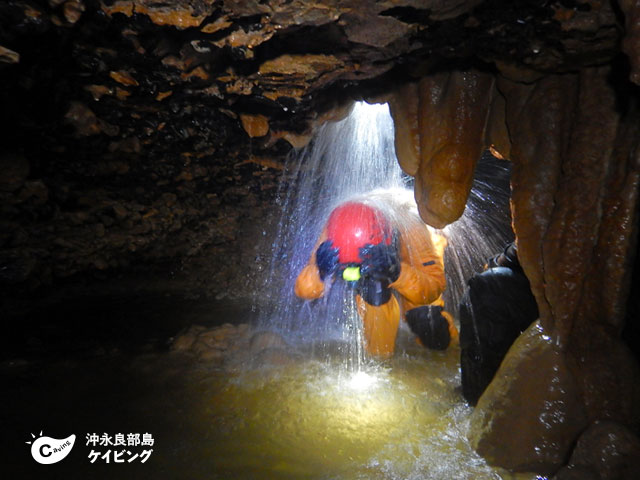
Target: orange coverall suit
[{"x": 421, "y": 282}]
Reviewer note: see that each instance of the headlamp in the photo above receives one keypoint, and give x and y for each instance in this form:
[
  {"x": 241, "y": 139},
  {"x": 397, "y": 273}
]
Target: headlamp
[{"x": 351, "y": 274}]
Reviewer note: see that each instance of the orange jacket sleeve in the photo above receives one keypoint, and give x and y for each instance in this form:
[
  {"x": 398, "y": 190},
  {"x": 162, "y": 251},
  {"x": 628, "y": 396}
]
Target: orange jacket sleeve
[
  {"x": 309, "y": 286},
  {"x": 421, "y": 279}
]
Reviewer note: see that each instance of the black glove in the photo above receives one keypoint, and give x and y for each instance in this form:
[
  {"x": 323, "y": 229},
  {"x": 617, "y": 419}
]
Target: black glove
[
  {"x": 380, "y": 262},
  {"x": 508, "y": 258},
  {"x": 374, "y": 292},
  {"x": 326, "y": 259}
]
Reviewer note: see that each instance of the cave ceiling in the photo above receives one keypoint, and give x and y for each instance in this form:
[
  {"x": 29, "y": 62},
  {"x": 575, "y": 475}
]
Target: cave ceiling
[
  {"x": 157, "y": 78},
  {"x": 145, "y": 130}
]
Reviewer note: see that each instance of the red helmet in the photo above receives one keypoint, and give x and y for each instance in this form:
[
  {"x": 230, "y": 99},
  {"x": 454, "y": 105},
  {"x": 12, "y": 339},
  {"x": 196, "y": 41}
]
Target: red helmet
[{"x": 353, "y": 225}]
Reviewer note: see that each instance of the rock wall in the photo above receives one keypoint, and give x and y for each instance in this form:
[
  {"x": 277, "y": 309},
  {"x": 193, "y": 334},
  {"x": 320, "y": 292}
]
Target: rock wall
[
  {"x": 574, "y": 205},
  {"x": 181, "y": 224},
  {"x": 110, "y": 104}
]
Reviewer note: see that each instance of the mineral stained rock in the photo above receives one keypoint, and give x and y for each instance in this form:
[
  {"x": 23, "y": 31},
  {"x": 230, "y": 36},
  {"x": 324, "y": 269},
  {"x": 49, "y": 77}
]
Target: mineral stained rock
[
  {"x": 534, "y": 402},
  {"x": 180, "y": 14},
  {"x": 440, "y": 125},
  {"x": 574, "y": 214},
  {"x": 565, "y": 214},
  {"x": 608, "y": 450},
  {"x": 536, "y": 111},
  {"x": 255, "y": 125}
]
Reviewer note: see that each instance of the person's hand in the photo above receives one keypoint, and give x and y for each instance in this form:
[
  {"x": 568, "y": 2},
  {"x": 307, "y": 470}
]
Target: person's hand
[
  {"x": 380, "y": 262},
  {"x": 374, "y": 292},
  {"x": 508, "y": 258},
  {"x": 326, "y": 259}
]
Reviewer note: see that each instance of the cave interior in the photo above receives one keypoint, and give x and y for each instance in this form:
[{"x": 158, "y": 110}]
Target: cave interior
[{"x": 144, "y": 147}]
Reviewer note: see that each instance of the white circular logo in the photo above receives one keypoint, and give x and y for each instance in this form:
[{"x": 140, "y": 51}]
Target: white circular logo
[{"x": 47, "y": 450}]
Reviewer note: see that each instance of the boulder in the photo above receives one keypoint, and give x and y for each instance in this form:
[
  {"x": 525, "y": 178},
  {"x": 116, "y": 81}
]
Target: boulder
[
  {"x": 605, "y": 451},
  {"x": 525, "y": 421}
]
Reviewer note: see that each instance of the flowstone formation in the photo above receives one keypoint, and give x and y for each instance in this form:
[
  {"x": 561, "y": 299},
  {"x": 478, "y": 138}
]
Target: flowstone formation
[
  {"x": 139, "y": 134},
  {"x": 447, "y": 114},
  {"x": 574, "y": 214}
]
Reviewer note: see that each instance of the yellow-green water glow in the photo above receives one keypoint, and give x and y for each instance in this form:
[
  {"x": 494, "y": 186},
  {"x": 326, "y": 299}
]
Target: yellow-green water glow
[{"x": 314, "y": 419}]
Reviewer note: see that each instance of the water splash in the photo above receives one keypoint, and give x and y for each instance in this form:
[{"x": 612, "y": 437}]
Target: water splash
[
  {"x": 345, "y": 158},
  {"x": 334, "y": 413},
  {"x": 401, "y": 420},
  {"x": 355, "y": 159},
  {"x": 483, "y": 230}
]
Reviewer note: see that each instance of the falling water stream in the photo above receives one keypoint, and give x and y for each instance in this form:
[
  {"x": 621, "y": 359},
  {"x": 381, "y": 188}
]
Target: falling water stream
[
  {"x": 325, "y": 411},
  {"x": 346, "y": 158},
  {"x": 354, "y": 159},
  {"x": 334, "y": 413}
]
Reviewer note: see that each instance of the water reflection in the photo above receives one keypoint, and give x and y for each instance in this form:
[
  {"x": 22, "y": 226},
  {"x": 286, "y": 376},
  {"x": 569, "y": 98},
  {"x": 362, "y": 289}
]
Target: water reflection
[{"x": 315, "y": 419}]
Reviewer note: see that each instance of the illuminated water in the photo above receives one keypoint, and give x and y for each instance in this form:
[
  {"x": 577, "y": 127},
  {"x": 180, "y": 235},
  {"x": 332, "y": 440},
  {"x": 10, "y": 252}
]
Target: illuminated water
[
  {"x": 306, "y": 419},
  {"x": 410, "y": 422},
  {"x": 482, "y": 231},
  {"x": 345, "y": 158},
  {"x": 348, "y": 160},
  {"x": 324, "y": 411}
]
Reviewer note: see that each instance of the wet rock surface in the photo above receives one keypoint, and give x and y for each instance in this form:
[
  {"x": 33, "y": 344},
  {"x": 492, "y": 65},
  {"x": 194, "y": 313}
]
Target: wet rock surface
[
  {"x": 233, "y": 346},
  {"x": 574, "y": 230},
  {"x": 541, "y": 414},
  {"x": 605, "y": 451}
]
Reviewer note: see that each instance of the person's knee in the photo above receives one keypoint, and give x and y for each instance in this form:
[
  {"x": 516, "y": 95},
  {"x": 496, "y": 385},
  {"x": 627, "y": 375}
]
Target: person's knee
[{"x": 430, "y": 326}]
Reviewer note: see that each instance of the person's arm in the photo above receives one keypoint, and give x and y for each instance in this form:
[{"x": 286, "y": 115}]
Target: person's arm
[
  {"x": 421, "y": 279},
  {"x": 309, "y": 285}
]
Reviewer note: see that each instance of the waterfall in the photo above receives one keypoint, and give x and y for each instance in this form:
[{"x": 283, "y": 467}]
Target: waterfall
[{"x": 347, "y": 159}]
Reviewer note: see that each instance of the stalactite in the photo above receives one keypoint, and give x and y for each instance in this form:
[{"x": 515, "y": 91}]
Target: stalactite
[
  {"x": 538, "y": 122},
  {"x": 404, "y": 109},
  {"x": 601, "y": 362},
  {"x": 569, "y": 244},
  {"x": 439, "y": 139},
  {"x": 616, "y": 237}
]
